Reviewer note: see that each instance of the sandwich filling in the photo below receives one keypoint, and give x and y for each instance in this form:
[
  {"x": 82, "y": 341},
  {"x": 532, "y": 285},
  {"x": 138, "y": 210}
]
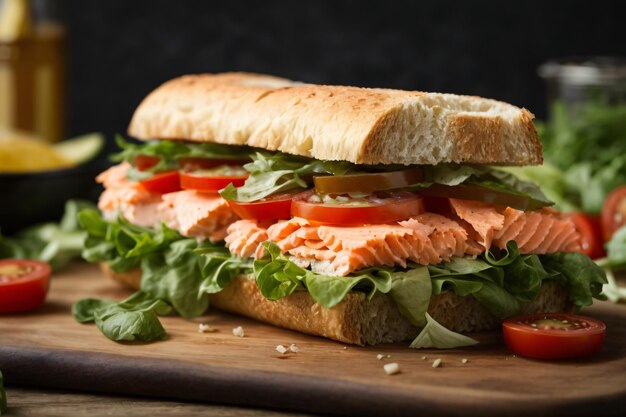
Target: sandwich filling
[{"x": 194, "y": 216}]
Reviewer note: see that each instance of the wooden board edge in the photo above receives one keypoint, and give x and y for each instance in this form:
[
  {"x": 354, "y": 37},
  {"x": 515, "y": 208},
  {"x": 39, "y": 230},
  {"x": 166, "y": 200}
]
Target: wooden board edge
[{"x": 180, "y": 380}]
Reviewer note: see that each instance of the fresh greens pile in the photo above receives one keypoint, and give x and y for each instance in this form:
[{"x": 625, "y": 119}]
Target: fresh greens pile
[
  {"x": 178, "y": 273},
  {"x": 54, "y": 243},
  {"x": 615, "y": 261},
  {"x": 585, "y": 156},
  {"x": 169, "y": 153}
]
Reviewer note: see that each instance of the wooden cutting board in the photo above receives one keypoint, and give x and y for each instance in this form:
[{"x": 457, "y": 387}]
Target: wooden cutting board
[{"x": 48, "y": 348}]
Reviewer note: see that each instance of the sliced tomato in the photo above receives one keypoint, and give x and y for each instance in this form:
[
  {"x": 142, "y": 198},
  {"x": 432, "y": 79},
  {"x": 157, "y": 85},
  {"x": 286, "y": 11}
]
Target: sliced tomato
[
  {"x": 588, "y": 226},
  {"x": 275, "y": 207},
  {"x": 213, "y": 180},
  {"x": 379, "y": 208},
  {"x": 166, "y": 182},
  {"x": 614, "y": 212},
  {"x": 193, "y": 164},
  {"x": 553, "y": 335},
  {"x": 145, "y": 162},
  {"x": 23, "y": 284},
  {"x": 367, "y": 182}
]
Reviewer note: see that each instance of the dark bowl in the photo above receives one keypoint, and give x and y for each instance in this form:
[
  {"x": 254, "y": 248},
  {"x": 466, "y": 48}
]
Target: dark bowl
[{"x": 30, "y": 198}]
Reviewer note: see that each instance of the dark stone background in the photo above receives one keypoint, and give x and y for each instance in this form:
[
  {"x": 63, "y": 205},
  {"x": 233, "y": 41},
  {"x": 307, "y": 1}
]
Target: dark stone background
[{"x": 121, "y": 49}]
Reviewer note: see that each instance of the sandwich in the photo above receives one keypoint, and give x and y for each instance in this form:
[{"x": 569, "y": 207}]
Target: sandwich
[{"x": 362, "y": 215}]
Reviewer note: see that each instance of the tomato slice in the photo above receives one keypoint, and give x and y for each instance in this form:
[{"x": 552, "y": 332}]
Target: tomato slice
[
  {"x": 213, "y": 180},
  {"x": 553, "y": 335},
  {"x": 382, "y": 207},
  {"x": 614, "y": 212},
  {"x": 367, "y": 182},
  {"x": 588, "y": 227},
  {"x": 166, "y": 182},
  {"x": 23, "y": 284},
  {"x": 275, "y": 207}
]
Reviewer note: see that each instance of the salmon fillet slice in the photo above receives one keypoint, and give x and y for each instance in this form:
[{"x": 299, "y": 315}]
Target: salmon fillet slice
[
  {"x": 244, "y": 237},
  {"x": 196, "y": 214}
]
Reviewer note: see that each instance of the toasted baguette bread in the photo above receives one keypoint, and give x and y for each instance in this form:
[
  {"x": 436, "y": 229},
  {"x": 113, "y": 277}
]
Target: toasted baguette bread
[
  {"x": 356, "y": 320},
  {"x": 360, "y": 125}
]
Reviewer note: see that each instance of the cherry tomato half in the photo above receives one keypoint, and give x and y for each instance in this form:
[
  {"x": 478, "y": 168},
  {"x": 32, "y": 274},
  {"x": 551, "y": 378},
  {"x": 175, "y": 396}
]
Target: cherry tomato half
[
  {"x": 166, "y": 182},
  {"x": 614, "y": 212},
  {"x": 275, "y": 207},
  {"x": 23, "y": 284},
  {"x": 213, "y": 180},
  {"x": 553, "y": 335},
  {"x": 383, "y": 207},
  {"x": 588, "y": 227}
]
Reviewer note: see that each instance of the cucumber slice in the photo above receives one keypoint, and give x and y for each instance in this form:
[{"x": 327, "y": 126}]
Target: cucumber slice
[{"x": 81, "y": 149}]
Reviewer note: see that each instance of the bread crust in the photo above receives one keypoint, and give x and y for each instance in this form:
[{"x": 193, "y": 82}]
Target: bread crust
[
  {"x": 356, "y": 320},
  {"x": 360, "y": 125}
]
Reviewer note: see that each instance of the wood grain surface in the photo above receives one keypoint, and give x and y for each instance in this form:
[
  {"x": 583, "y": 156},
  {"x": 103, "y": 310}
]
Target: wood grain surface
[{"x": 48, "y": 348}]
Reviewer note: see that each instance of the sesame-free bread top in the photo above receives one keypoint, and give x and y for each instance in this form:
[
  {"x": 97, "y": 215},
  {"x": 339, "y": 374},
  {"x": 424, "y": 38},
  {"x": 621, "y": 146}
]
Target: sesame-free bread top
[{"x": 360, "y": 125}]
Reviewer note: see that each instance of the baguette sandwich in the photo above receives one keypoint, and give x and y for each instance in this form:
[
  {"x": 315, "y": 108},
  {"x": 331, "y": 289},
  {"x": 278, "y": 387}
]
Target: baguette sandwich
[{"x": 365, "y": 216}]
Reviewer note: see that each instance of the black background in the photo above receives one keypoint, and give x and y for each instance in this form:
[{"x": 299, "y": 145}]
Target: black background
[{"x": 122, "y": 49}]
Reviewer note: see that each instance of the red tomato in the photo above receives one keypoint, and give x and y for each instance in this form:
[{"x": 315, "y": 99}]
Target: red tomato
[
  {"x": 23, "y": 284},
  {"x": 384, "y": 207},
  {"x": 275, "y": 207},
  {"x": 164, "y": 183},
  {"x": 553, "y": 335},
  {"x": 208, "y": 182},
  {"x": 591, "y": 243},
  {"x": 614, "y": 212},
  {"x": 145, "y": 162}
]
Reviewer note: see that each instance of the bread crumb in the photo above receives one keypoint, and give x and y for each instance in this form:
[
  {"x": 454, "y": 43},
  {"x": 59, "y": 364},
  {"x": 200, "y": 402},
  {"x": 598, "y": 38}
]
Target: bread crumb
[
  {"x": 206, "y": 328},
  {"x": 345, "y": 347},
  {"x": 281, "y": 349},
  {"x": 238, "y": 331},
  {"x": 464, "y": 360},
  {"x": 380, "y": 356},
  {"x": 424, "y": 358},
  {"x": 293, "y": 348},
  {"x": 436, "y": 363},
  {"x": 391, "y": 368}
]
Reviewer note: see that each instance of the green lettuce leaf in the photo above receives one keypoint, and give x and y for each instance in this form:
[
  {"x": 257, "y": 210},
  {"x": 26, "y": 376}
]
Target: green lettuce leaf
[
  {"x": 132, "y": 319},
  {"x": 3, "y": 396},
  {"x": 218, "y": 268},
  {"x": 55, "y": 243},
  {"x": 434, "y": 335},
  {"x": 279, "y": 172},
  {"x": 169, "y": 152},
  {"x": 278, "y": 277}
]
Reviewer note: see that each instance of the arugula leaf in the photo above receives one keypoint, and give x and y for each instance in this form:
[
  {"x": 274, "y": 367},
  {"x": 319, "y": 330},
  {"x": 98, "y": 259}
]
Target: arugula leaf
[
  {"x": 132, "y": 319},
  {"x": 120, "y": 243},
  {"x": 173, "y": 275},
  {"x": 279, "y": 172},
  {"x": 582, "y": 277},
  {"x": 169, "y": 152},
  {"x": 434, "y": 335},
  {"x": 54, "y": 243},
  {"x": 3, "y": 396}
]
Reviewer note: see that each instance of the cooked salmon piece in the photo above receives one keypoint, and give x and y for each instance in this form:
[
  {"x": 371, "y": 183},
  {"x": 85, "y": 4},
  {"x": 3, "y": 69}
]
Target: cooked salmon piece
[
  {"x": 196, "y": 214},
  {"x": 541, "y": 231},
  {"x": 244, "y": 237},
  {"x": 130, "y": 199}
]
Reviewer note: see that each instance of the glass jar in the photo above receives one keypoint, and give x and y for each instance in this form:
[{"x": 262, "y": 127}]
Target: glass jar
[
  {"x": 32, "y": 68},
  {"x": 576, "y": 81}
]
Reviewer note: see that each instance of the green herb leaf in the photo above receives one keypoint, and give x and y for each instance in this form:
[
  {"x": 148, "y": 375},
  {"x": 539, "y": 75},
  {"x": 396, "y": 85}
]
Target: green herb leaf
[
  {"x": 616, "y": 249},
  {"x": 218, "y": 268},
  {"x": 434, "y": 335},
  {"x": 84, "y": 311},
  {"x": 55, "y": 243}
]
